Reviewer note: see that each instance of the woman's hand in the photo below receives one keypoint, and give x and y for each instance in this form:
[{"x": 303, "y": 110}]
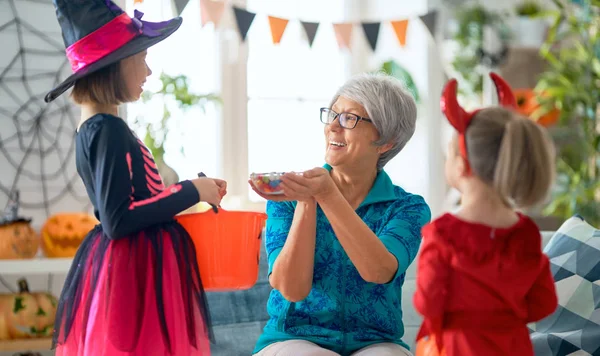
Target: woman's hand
[
  {"x": 293, "y": 193},
  {"x": 280, "y": 197},
  {"x": 315, "y": 183},
  {"x": 308, "y": 186}
]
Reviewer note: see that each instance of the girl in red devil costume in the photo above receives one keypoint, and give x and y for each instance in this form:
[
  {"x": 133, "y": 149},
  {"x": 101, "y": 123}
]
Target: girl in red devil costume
[{"x": 482, "y": 275}]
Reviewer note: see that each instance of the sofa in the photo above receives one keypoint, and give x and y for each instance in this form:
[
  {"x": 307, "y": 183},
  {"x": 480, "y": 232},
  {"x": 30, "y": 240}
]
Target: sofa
[{"x": 238, "y": 317}]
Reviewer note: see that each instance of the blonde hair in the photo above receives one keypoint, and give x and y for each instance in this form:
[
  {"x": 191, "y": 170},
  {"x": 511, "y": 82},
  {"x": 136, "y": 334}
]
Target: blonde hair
[
  {"x": 105, "y": 86},
  {"x": 512, "y": 154}
]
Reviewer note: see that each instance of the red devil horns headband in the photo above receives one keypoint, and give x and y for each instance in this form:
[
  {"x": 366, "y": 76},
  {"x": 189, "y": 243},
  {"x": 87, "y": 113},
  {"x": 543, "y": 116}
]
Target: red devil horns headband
[{"x": 460, "y": 119}]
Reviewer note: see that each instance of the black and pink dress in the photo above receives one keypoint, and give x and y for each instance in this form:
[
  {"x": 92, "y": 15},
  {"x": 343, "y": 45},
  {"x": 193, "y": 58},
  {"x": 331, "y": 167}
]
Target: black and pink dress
[{"x": 134, "y": 287}]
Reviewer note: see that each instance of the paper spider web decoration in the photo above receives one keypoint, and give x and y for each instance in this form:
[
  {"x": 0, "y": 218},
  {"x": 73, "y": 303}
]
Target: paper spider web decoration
[{"x": 37, "y": 140}]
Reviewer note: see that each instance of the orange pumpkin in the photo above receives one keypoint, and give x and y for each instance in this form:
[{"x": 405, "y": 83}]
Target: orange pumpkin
[
  {"x": 26, "y": 315},
  {"x": 527, "y": 105},
  {"x": 17, "y": 237},
  {"x": 62, "y": 233},
  {"x": 18, "y": 240}
]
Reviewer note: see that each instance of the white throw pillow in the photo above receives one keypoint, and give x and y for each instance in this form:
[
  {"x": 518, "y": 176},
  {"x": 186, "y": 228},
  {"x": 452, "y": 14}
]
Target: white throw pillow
[{"x": 574, "y": 328}]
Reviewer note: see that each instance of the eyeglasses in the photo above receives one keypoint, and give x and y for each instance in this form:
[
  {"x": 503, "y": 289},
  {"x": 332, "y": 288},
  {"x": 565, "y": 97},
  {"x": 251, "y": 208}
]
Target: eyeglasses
[{"x": 347, "y": 120}]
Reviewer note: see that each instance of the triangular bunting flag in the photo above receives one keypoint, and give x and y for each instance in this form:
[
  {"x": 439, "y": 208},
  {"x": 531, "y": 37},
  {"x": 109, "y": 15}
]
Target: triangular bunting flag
[
  {"x": 278, "y": 26},
  {"x": 180, "y": 5},
  {"x": 211, "y": 11},
  {"x": 372, "y": 32},
  {"x": 430, "y": 19},
  {"x": 343, "y": 34},
  {"x": 400, "y": 28},
  {"x": 244, "y": 20},
  {"x": 311, "y": 31}
]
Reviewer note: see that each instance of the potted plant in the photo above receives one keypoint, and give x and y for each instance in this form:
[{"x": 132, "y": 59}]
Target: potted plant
[
  {"x": 472, "y": 23},
  {"x": 570, "y": 84},
  {"x": 395, "y": 70},
  {"x": 175, "y": 95},
  {"x": 530, "y": 25}
]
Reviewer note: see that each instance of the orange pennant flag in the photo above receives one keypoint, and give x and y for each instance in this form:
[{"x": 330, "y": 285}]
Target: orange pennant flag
[
  {"x": 400, "y": 29},
  {"x": 211, "y": 11},
  {"x": 343, "y": 34},
  {"x": 278, "y": 26}
]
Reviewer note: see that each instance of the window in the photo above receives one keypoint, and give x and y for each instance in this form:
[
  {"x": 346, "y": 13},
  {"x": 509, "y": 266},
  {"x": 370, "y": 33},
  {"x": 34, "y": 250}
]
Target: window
[
  {"x": 287, "y": 84},
  {"x": 409, "y": 169},
  {"x": 193, "y": 143},
  {"x": 269, "y": 120}
]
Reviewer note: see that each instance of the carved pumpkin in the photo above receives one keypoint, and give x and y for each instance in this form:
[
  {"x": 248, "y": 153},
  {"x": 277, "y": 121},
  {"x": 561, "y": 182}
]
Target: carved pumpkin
[
  {"x": 17, "y": 237},
  {"x": 527, "y": 105},
  {"x": 62, "y": 233},
  {"x": 26, "y": 315}
]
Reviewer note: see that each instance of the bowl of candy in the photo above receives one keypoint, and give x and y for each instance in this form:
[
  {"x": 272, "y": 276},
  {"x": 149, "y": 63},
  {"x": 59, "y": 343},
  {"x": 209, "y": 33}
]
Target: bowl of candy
[{"x": 267, "y": 183}]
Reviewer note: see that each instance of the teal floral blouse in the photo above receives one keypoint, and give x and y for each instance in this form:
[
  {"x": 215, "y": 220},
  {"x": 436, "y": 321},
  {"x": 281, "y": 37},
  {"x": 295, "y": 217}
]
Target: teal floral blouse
[{"x": 344, "y": 313}]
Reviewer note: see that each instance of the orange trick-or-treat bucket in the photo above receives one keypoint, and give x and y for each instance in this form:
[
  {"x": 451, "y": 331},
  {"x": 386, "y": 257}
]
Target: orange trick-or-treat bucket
[{"x": 227, "y": 247}]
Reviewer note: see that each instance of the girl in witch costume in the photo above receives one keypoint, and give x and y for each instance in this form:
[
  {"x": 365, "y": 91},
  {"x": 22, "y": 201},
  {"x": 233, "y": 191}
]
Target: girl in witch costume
[
  {"x": 134, "y": 287},
  {"x": 482, "y": 275}
]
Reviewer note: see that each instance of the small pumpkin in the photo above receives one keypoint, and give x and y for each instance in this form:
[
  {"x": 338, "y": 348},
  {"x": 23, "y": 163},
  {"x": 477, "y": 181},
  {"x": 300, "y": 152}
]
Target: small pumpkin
[
  {"x": 17, "y": 237},
  {"x": 527, "y": 105},
  {"x": 26, "y": 315},
  {"x": 62, "y": 233}
]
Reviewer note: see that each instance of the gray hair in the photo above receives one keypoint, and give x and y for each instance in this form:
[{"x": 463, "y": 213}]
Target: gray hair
[{"x": 391, "y": 107}]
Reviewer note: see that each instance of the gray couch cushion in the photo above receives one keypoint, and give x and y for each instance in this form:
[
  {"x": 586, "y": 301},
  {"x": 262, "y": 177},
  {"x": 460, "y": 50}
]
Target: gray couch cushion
[{"x": 238, "y": 317}]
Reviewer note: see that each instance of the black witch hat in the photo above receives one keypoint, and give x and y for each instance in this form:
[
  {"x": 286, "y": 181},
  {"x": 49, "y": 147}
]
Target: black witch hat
[{"x": 98, "y": 33}]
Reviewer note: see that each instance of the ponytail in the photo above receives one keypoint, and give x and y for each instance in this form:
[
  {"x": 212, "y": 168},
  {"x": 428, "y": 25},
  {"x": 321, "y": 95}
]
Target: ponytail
[{"x": 515, "y": 155}]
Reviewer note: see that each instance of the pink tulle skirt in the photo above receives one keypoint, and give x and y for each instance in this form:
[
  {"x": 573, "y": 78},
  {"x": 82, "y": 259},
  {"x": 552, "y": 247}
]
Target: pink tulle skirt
[{"x": 138, "y": 296}]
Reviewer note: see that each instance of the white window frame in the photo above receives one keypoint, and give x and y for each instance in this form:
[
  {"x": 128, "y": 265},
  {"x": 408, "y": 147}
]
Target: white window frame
[
  {"x": 233, "y": 128},
  {"x": 234, "y": 120}
]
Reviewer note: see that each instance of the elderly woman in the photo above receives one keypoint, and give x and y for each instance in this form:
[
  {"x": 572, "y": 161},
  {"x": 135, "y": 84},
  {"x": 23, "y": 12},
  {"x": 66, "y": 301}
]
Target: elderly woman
[{"x": 340, "y": 238}]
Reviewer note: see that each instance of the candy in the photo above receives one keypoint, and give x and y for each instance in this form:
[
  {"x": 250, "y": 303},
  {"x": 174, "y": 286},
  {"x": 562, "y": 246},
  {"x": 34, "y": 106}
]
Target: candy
[{"x": 267, "y": 183}]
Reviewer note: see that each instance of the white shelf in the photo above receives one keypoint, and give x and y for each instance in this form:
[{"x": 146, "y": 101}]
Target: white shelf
[
  {"x": 35, "y": 266},
  {"x": 25, "y": 345}
]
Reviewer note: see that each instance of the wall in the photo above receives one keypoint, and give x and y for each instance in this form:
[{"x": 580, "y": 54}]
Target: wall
[
  {"x": 35, "y": 41},
  {"x": 36, "y": 137}
]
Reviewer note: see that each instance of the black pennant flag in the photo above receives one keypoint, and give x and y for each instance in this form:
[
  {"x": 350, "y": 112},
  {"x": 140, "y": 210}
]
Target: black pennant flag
[
  {"x": 311, "y": 31},
  {"x": 180, "y": 5},
  {"x": 372, "y": 32},
  {"x": 430, "y": 19},
  {"x": 244, "y": 21}
]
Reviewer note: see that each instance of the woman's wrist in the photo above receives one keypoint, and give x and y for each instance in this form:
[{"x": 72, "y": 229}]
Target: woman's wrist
[
  {"x": 309, "y": 203},
  {"x": 327, "y": 194}
]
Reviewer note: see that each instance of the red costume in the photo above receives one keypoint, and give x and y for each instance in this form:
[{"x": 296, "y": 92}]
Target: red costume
[{"x": 478, "y": 286}]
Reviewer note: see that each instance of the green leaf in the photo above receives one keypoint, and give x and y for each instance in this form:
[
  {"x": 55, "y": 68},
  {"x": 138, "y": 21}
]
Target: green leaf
[
  {"x": 558, "y": 4},
  {"x": 596, "y": 66},
  {"x": 395, "y": 70},
  {"x": 40, "y": 312}
]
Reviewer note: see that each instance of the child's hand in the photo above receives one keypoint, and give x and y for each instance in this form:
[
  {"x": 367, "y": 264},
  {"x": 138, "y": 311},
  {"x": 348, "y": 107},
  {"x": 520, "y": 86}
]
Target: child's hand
[
  {"x": 211, "y": 190},
  {"x": 222, "y": 186}
]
